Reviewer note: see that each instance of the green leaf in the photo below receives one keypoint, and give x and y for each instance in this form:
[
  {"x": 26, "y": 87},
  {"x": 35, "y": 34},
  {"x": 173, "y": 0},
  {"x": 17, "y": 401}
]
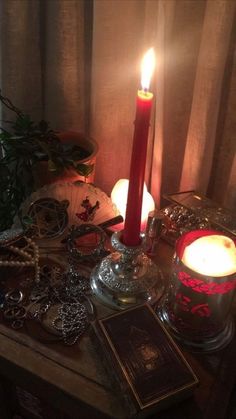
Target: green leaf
[
  {"x": 4, "y": 136},
  {"x": 84, "y": 169},
  {"x": 23, "y": 124}
]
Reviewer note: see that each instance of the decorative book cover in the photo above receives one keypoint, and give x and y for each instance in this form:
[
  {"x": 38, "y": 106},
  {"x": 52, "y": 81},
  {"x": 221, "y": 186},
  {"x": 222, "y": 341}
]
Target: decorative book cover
[{"x": 142, "y": 357}]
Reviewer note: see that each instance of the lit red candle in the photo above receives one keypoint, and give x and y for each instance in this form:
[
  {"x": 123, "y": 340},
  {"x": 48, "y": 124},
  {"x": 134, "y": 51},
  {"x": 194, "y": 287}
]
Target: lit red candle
[{"x": 131, "y": 233}]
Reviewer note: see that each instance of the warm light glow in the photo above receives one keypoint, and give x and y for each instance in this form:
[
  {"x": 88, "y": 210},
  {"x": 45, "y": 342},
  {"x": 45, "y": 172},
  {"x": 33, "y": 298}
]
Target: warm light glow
[
  {"x": 147, "y": 68},
  {"x": 211, "y": 255},
  {"x": 119, "y": 198}
]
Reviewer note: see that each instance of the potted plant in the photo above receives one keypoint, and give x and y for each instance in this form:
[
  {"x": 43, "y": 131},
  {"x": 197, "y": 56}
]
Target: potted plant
[{"x": 33, "y": 154}]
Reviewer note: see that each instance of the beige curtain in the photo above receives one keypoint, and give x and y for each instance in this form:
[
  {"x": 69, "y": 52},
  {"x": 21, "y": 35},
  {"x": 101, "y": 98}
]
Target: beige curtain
[
  {"x": 43, "y": 59},
  {"x": 76, "y": 63},
  {"x": 190, "y": 146}
]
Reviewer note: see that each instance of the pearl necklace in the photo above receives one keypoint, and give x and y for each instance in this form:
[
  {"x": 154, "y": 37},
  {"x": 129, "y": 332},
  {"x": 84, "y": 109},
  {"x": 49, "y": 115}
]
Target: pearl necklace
[{"x": 30, "y": 252}]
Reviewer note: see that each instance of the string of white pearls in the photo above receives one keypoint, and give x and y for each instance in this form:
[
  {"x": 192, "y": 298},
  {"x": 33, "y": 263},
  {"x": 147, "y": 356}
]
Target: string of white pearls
[
  {"x": 20, "y": 252},
  {"x": 33, "y": 259},
  {"x": 16, "y": 263}
]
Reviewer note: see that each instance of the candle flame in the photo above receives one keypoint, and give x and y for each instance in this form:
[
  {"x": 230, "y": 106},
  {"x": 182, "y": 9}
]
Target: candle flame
[
  {"x": 211, "y": 255},
  {"x": 147, "y": 68}
]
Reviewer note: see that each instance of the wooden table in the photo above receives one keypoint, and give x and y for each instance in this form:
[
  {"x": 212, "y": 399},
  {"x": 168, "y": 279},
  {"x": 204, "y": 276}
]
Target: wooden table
[{"x": 73, "y": 380}]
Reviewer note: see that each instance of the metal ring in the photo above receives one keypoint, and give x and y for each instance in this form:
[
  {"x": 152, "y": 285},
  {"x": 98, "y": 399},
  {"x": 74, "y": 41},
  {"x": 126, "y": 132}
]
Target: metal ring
[
  {"x": 9, "y": 313},
  {"x": 14, "y": 312},
  {"x": 14, "y": 297},
  {"x": 17, "y": 324},
  {"x": 78, "y": 231}
]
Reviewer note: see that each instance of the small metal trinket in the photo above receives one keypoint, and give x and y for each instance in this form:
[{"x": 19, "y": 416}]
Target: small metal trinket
[
  {"x": 179, "y": 220},
  {"x": 14, "y": 297},
  {"x": 86, "y": 250},
  {"x": 15, "y": 312},
  {"x": 77, "y": 284},
  {"x": 16, "y": 315},
  {"x": 49, "y": 217},
  {"x": 71, "y": 322},
  {"x": 153, "y": 231}
]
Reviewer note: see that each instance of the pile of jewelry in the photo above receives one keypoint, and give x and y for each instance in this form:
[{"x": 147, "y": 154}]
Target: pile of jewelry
[
  {"x": 179, "y": 220},
  {"x": 63, "y": 293},
  {"x": 58, "y": 301}
]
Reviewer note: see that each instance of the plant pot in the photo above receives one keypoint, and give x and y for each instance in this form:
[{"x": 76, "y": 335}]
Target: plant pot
[{"x": 43, "y": 176}]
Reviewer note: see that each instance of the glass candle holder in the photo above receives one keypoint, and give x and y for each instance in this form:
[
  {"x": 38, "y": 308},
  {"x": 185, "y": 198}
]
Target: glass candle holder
[{"x": 196, "y": 306}]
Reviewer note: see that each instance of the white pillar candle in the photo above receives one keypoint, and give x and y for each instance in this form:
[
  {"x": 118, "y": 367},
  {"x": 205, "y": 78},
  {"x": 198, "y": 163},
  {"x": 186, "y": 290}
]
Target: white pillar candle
[
  {"x": 119, "y": 198},
  {"x": 213, "y": 255}
]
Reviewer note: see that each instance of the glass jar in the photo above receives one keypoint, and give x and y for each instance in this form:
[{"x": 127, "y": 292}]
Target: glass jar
[{"x": 196, "y": 307}]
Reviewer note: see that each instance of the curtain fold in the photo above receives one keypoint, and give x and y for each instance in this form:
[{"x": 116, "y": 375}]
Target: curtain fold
[
  {"x": 118, "y": 27},
  {"x": 64, "y": 64},
  {"x": 76, "y": 63},
  {"x": 192, "y": 42},
  {"x": 42, "y": 59},
  {"x": 212, "y": 57},
  {"x": 180, "y": 52},
  {"x": 20, "y": 54}
]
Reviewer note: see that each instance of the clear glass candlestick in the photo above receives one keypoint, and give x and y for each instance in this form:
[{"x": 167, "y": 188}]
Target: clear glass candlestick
[{"x": 127, "y": 276}]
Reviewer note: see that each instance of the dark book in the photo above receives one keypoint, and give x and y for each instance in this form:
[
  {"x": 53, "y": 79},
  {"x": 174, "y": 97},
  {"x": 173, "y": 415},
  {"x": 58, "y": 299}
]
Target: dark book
[{"x": 143, "y": 360}]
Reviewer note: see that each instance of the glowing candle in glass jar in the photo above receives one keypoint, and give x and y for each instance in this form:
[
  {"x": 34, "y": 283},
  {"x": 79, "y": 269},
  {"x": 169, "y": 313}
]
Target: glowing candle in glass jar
[
  {"x": 131, "y": 234},
  {"x": 197, "y": 306},
  {"x": 213, "y": 255}
]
